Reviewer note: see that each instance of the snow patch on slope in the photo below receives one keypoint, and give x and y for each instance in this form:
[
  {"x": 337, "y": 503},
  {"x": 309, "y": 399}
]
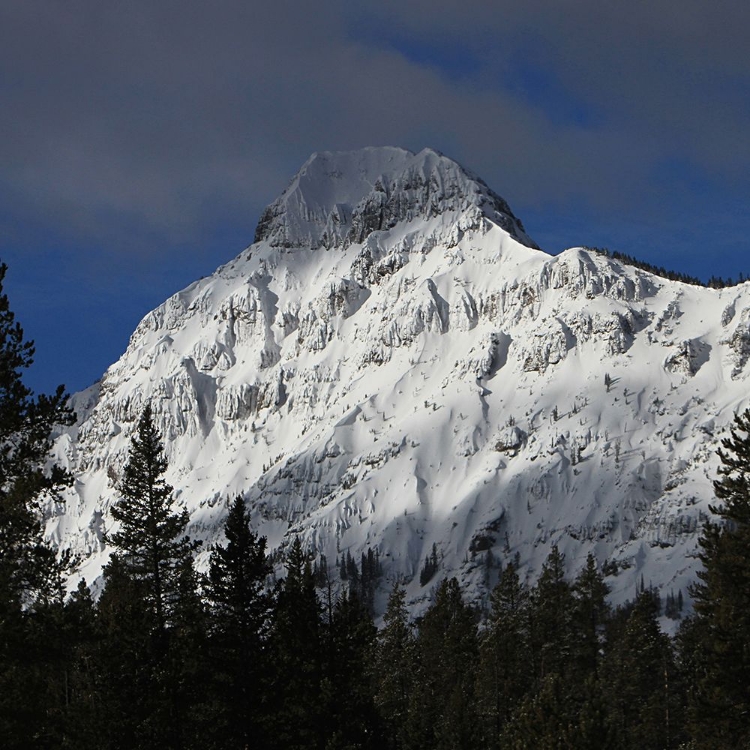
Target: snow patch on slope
[{"x": 393, "y": 365}]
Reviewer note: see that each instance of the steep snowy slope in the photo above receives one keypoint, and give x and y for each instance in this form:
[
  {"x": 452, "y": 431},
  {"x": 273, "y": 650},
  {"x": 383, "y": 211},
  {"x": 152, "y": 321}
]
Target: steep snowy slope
[{"x": 393, "y": 364}]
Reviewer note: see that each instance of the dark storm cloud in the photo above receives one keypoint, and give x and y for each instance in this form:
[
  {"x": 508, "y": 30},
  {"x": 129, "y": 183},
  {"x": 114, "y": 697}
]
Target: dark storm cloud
[
  {"x": 147, "y": 109},
  {"x": 662, "y": 76},
  {"x": 173, "y": 116}
]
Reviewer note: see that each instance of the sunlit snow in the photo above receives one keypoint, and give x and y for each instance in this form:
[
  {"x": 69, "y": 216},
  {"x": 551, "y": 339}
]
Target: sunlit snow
[{"x": 394, "y": 364}]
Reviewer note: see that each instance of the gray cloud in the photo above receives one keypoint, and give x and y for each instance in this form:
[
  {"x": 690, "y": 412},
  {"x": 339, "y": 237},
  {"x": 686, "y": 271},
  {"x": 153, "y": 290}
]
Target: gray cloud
[{"x": 173, "y": 116}]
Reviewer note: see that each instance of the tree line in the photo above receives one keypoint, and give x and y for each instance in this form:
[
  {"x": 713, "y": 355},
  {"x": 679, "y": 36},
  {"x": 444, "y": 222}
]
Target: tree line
[
  {"x": 167, "y": 657},
  {"x": 714, "y": 282}
]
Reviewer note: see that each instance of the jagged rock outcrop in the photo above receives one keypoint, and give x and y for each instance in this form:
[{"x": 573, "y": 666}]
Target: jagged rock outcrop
[{"x": 394, "y": 364}]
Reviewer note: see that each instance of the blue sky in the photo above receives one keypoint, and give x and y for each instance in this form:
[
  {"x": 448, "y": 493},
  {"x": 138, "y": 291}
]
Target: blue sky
[{"x": 140, "y": 141}]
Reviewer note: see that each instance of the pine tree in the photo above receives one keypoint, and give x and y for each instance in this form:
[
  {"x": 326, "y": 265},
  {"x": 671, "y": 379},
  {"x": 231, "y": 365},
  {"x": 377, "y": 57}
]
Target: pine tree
[
  {"x": 720, "y": 705},
  {"x": 297, "y": 657},
  {"x": 151, "y": 683},
  {"x": 442, "y": 713},
  {"x": 30, "y": 575},
  {"x": 393, "y": 667},
  {"x": 504, "y": 676},
  {"x": 552, "y": 632},
  {"x": 642, "y": 683},
  {"x": 348, "y": 704},
  {"x": 150, "y": 539},
  {"x": 27, "y": 564},
  {"x": 78, "y": 636},
  {"x": 430, "y": 567},
  {"x": 125, "y": 663},
  {"x": 149, "y": 606},
  {"x": 590, "y": 616},
  {"x": 239, "y": 616}
]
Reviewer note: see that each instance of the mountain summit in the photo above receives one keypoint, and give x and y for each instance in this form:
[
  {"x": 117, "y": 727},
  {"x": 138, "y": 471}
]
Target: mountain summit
[
  {"x": 340, "y": 198},
  {"x": 393, "y": 366}
]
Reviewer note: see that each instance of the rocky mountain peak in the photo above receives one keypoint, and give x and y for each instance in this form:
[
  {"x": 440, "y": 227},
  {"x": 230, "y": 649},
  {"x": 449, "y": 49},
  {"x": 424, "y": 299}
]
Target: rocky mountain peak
[
  {"x": 433, "y": 383},
  {"x": 339, "y": 198}
]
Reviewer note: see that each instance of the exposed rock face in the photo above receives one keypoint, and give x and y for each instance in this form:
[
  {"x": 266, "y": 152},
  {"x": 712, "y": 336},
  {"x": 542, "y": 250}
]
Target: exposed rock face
[
  {"x": 374, "y": 190},
  {"x": 394, "y": 364}
]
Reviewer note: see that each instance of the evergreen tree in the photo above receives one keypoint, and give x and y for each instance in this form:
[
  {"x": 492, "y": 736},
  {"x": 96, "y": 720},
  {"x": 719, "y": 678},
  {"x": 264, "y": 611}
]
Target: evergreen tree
[
  {"x": 393, "y": 667},
  {"x": 552, "y": 608},
  {"x": 430, "y": 567},
  {"x": 347, "y": 699},
  {"x": 149, "y": 608},
  {"x": 125, "y": 662},
  {"x": 541, "y": 722},
  {"x": 30, "y": 574},
  {"x": 296, "y": 647},
  {"x": 590, "y": 617},
  {"x": 642, "y": 683},
  {"x": 442, "y": 713},
  {"x": 720, "y": 704},
  {"x": 150, "y": 539},
  {"x": 239, "y": 616},
  {"x": 189, "y": 666},
  {"x": 151, "y": 685},
  {"x": 504, "y": 675},
  {"x": 78, "y": 635}
]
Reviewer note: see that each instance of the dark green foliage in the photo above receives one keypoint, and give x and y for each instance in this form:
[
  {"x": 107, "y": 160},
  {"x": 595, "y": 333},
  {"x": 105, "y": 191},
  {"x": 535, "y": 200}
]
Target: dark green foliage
[
  {"x": 442, "y": 713},
  {"x": 347, "y": 698},
  {"x": 393, "y": 669},
  {"x": 237, "y": 577},
  {"x": 643, "y": 688},
  {"x": 430, "y": 567},
  {"x": 152, "y": 656},
  {"x": 78, "y": 637},
  {"x": 27, "y": 565},
  {"x": 362, "y": 579},
  {"x": 239, "y": 620},
  {"x": 504, "y": 675},
  {"x": 150, "y": 542},
  {"x": 591, "y": 613},
  {"x": 720, "y": 705},
  {"x": 296, "y": 643},
  {"x": 552, "y": 624},
  {"x": 188, "y": 669},
  {"x": 31, "y": 658},
  {"x": 673, "y": 606},
  {"x": 715, "y": 282},
  {"x": 125, "y": 659}
]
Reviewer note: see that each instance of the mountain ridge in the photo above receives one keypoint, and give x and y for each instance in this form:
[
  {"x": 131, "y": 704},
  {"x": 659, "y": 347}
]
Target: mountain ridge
[{"x": 426, "y": 376}]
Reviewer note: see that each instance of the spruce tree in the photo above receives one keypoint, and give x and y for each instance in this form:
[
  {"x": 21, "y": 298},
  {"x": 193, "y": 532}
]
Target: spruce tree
[
  {"x": 124, "y": 659},
  {"x": 296, "y": 647},
  {"x": 351, "y": 718},
  {"x": 190, "y": 665},
  {"x": 30, "y": 574},
  {"x": 149, "y": 605},
  {"x": 720, "y": 704},
  {"x": 78, "y": 636},
  {"x": 504, "y": 676},
  {"x": 641, "y": 681},
  {"x": 239, "y": 610},
  {"x": 443, "y": 713},
  {"x": 552, "y": 632},
  {"x": 150, "y": 541},
  {"x": 27, "y": 564},
  {"x": 393, "y": 669},
  {"x": 590, "y": 616}
]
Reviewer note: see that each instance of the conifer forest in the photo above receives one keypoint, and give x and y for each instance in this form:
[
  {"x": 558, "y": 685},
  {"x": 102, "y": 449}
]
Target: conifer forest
[{"x": 168, "y": 656}]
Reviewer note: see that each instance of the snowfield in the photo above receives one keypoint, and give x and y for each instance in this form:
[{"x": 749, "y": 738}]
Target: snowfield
[{"x": 393, "y": 364}]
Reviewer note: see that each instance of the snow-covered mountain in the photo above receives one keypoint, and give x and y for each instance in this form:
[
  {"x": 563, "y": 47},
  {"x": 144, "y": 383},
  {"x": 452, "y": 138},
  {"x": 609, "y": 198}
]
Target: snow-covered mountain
[{"x": 394, "y": 364}]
